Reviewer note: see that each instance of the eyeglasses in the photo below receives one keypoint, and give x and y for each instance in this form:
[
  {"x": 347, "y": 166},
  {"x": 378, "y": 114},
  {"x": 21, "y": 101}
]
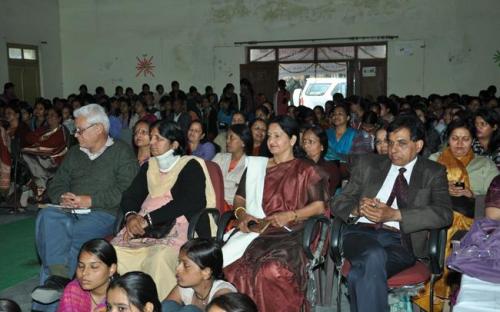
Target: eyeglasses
[{"x": 80, "y": 131}]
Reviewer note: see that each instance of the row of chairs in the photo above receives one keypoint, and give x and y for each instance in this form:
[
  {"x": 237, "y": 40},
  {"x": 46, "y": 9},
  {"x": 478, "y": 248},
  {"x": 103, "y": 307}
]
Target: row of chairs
[{"x": 322, "y": 239}]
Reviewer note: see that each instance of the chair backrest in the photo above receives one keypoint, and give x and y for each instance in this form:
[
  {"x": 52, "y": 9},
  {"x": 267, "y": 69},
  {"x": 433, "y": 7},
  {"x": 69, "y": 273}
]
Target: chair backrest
[
  {"x": 479, "y": 207},
  {"x": 218, "y": 182}
]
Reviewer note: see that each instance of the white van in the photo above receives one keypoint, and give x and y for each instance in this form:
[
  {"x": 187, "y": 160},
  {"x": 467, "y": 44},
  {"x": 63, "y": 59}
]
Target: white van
[{"x": 319, "y": 90}]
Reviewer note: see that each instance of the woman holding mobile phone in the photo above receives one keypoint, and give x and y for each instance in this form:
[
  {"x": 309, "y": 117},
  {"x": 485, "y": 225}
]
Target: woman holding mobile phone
[{"x": 468, "y": 175}]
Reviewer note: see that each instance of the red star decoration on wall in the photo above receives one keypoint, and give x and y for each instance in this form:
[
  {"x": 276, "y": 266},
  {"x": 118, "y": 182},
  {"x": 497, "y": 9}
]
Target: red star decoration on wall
[{"x": 145, "y": 66}]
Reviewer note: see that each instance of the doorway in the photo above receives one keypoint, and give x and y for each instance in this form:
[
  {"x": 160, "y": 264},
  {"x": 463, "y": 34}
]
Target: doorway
[
  {"x": 350, "y": 69},
  {"x": 24, "y": 71}
]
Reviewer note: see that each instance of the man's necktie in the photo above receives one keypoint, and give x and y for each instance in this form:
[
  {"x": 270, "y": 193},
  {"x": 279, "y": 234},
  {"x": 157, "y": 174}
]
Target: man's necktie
[{"x": 399, "y": 190}]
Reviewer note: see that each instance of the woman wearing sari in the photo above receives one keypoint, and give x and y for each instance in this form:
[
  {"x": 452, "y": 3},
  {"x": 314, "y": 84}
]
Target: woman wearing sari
[
  {"x": 45, "y": 150},
  {"x": 469, "y": 175},
  {"x": 166, "y": 193},
  {"x": 265, "y": 259}
]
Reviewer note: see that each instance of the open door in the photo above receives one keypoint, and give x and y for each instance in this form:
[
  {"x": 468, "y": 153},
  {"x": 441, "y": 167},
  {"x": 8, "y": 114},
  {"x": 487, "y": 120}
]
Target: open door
[{"x": 263, "y": 77}]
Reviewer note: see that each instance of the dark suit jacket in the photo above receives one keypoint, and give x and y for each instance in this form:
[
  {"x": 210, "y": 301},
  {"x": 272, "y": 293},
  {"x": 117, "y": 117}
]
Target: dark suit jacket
[{"x": 429, "y": 203}]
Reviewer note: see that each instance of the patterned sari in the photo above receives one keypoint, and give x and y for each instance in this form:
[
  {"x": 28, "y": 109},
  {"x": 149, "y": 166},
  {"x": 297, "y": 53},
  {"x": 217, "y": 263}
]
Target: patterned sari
[{"x": 272, "y": 269}]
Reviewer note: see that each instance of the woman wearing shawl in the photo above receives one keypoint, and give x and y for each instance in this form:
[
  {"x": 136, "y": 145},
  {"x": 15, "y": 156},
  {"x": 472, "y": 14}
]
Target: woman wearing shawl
[
  {"x": 469, "y": 175},
  {"x": 266, "y": 261},
  {"x": 45, "y": 150},
  {"x": 166, "y": 193}
]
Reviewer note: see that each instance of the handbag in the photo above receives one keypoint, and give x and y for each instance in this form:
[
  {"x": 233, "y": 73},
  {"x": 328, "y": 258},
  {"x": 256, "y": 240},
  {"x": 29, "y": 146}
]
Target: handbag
[
  {"x": 479, "y": 252},
  {"x": 159, "y": 230}
]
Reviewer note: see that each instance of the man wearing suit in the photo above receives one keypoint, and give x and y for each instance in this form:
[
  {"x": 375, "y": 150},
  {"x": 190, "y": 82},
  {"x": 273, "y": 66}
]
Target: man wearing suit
[{"x": 395, "y": 200}]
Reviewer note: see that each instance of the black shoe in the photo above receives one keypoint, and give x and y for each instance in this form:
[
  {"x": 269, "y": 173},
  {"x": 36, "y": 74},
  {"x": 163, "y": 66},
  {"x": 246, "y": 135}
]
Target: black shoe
[{"x": 51, "y": 291}]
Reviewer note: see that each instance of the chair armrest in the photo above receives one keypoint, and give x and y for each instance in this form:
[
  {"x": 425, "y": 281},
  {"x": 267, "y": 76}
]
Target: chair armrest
[
  {"x": 457, "y": 237},
  {"x": 317, "y": 225},
  {"x": 223, "y": 223},
  {"x": 437, "y": 247},
  {"x": 336, "y": 240},
  {"x": 195, "y": 220}
]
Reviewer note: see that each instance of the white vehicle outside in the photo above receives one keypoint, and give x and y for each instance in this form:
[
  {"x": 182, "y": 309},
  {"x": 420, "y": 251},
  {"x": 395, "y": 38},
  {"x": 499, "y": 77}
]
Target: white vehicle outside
[{"x": 319, "y": 90}]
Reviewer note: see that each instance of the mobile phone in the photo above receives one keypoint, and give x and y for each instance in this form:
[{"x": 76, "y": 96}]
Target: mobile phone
[{"x": 460, "y": 184}]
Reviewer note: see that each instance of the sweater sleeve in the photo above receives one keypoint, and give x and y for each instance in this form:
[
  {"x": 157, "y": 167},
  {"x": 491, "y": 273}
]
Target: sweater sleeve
[
  {"x": 188, "y": 195},
  {"x": 126, "y": 168},
  {"x": 62, "y": 180}
]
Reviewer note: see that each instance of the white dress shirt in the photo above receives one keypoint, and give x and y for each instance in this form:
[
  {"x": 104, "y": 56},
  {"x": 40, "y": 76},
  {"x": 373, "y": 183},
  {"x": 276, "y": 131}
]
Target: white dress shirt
[{"x": 386, "y": 189}]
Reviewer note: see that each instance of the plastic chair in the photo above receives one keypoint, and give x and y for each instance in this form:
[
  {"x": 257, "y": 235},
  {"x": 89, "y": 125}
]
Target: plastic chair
[{"x": 412, "y": 278}]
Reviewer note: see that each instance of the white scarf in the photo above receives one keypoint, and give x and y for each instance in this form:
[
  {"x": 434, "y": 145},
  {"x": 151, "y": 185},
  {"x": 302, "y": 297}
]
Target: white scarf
[{"x": 167, "y": 160}]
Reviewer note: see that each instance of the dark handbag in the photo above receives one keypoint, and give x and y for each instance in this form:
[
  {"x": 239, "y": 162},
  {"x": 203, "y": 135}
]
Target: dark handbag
[{"x": 159, "y": 230}]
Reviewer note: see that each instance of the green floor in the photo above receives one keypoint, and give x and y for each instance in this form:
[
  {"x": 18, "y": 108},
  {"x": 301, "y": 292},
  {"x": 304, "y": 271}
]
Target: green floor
[{"x": 18, "y": 259}]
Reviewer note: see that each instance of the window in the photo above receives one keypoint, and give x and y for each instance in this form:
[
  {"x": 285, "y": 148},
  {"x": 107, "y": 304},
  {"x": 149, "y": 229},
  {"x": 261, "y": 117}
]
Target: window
[
  {"x": 262, "y": 55},
  {"x": 29, "y": 54},
  {"x": 22, "y": 52},
  {"x": 372, "y": 51},
  {"x": 317, "y": 89},
  {"x": 335, "y": 53},
  {"x": 15, "y": 53},
  {"x": 296, "y": 54}
]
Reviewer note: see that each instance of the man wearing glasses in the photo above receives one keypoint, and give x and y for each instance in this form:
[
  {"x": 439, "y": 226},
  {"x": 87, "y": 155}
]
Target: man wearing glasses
[{"x": 92, "y": 176}]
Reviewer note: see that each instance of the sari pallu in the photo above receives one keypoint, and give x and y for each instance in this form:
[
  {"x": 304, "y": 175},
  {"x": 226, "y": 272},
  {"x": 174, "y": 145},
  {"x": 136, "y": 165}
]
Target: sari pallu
[
  {"x": 272, "y": 270},
  {"x": 45, "y": 153}
]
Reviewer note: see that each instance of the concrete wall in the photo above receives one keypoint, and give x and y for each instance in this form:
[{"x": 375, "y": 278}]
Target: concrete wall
[
  {"x": 31, "y": 22},
  {"x": 443, "y": 46}
]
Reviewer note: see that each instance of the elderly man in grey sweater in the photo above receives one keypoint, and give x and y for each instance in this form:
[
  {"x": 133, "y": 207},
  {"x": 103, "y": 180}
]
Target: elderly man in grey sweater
[{"x": 92, "y": 176}]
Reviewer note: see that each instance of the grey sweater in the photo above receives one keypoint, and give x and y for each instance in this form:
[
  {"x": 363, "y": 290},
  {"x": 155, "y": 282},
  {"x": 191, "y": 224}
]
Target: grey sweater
[{"x": 103, "y": 179}]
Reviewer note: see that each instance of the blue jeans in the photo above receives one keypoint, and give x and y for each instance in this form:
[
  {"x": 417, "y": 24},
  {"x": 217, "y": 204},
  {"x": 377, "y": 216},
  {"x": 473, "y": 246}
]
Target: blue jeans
[
  {"x": 172, "y": 306},
  {"x": 60, "y": 235}
]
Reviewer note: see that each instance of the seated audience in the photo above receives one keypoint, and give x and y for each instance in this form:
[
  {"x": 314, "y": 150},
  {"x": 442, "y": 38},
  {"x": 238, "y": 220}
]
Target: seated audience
[
  {"x": 135, "y": 292},
  {"x": 95, "y": 270},
  {"x": 487, "y": 142},
  {"x": 93, "y": 175},
  {"x": 197, "y": 144},
  {"x": 168, "y": 191},
  {"x": 257, "y": 264},
  {"x": 39, "y": 119},
  {"x": 17, "y": 130},
  {"x": 381, "y": 146},
  {"x": 468, "y": 176},
  {"x": 199, "y": 277},
  {"x": 221, "y": 139},
  {"x": 45, "y": 150},
  {"x": 67, "y": 116},
  {"x": 141, "y": 113},
  {"x": 180, "y": 116},
  {"x": 258, "y": 128},
  {"x": 315, "y": 144},
  {"x": 233, "y": 163},
  {"x": 141, "y": 142},
  {"x": 340, "y": 135},
  {"x": 232, "y": 302},
  {"x": 395, "y": 200},
  {"x": 492, "y": 200}
]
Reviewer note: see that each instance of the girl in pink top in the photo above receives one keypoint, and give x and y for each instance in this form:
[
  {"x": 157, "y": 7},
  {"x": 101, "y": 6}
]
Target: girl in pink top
[{"x": 96, "y": 267}]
